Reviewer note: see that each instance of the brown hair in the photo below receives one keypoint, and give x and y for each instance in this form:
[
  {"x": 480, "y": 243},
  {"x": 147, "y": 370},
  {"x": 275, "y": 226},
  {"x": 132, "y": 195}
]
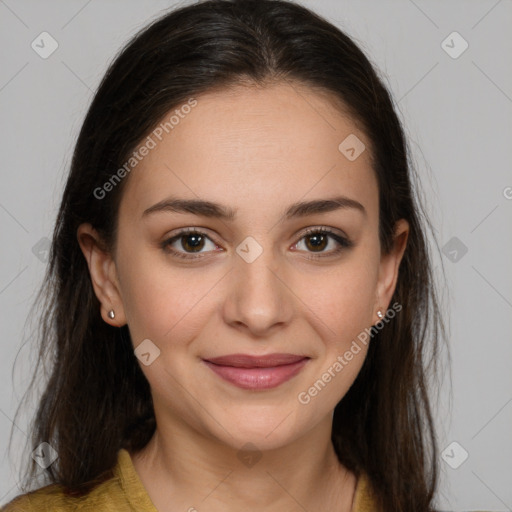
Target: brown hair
[{"x": 97, "y": 399}]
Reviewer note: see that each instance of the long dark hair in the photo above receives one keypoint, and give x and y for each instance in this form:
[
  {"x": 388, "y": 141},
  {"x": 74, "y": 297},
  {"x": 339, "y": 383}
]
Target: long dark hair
[{"x": 97, "y": 399}]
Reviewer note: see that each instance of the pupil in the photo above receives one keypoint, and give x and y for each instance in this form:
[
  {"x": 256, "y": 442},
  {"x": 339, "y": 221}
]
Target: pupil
[
  {"x": 317, "y": 241},
  {"x": 196, "y": 241}
]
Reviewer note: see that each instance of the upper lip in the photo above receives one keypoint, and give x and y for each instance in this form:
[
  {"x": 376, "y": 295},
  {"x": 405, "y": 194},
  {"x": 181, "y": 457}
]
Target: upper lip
[{"x": 248, "y": 361}]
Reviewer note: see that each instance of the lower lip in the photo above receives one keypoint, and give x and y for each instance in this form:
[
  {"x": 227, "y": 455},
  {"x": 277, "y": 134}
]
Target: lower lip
[{"x": 258, "y": 378}]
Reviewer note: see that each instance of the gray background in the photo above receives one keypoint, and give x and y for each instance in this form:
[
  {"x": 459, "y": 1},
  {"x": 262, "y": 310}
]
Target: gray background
[{"x": 457, "y": 114}]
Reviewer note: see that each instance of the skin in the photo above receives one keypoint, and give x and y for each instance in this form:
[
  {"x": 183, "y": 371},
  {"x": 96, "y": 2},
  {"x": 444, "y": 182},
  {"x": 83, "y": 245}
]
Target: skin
[{"x": 257, "y": 150}]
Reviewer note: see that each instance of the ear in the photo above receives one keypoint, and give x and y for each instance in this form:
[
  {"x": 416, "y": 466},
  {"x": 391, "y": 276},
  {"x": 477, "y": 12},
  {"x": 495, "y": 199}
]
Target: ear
[
  {"x": 102, "y": 269},
  {"x": 388, "y": 269}
]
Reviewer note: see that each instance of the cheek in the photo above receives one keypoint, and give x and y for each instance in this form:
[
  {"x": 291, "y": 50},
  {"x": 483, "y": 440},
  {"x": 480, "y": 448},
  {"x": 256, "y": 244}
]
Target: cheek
[
  {"x": 342, "y": 305},
  {"x": 343, "y": 298},
  {"x": 160, "y": 300}
]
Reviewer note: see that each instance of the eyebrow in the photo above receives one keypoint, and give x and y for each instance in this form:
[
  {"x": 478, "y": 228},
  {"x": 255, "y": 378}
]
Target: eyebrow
[{"x": 216, "y": 210}]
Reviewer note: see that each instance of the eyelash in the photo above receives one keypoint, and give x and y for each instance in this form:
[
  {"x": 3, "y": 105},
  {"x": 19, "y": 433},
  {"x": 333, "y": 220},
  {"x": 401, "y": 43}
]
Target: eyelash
[{"x": 343, "y": 242}]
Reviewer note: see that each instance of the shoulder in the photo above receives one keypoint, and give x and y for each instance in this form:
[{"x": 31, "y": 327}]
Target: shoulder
[
  {"x": 53, "y": 498},
  {"x": 123, "y": 492},
  {"x": 363, "y": 499},
  {"x": 50, "y": 497}
]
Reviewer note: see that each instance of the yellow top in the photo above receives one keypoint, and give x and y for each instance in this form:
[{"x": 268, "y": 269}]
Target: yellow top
[{"x": 124, "y": 492}]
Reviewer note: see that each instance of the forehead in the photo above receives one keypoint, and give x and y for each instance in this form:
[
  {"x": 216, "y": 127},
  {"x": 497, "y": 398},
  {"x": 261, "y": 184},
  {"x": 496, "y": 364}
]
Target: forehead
[{"x": 253, "y": 146}]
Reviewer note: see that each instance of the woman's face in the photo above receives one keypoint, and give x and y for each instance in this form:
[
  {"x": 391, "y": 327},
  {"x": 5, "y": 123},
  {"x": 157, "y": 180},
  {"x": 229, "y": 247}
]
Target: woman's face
[{"x": 254, "y": 282}]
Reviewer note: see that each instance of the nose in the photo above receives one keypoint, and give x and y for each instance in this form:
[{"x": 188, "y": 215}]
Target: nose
[{"x": 259, "y": 300}]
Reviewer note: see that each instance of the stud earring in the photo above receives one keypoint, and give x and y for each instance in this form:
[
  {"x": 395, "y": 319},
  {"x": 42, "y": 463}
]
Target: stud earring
[
  {"x": 111, "y": 314},
  {"x": 379, "y": 314}
]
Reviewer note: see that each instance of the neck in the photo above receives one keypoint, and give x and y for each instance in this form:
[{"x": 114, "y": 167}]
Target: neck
[{"x": 185, "y": 470}]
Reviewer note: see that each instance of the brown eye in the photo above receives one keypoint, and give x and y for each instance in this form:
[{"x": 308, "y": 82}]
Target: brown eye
[
  {"x": 188, "y": 242},
  {"x": 317, "y": 242},
  {"x": 192, "y": 242}
]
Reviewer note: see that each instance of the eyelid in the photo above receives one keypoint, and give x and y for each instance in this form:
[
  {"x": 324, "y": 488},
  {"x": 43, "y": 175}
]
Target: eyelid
[
  {"x": 166, "y": 243},
  {"x": 342, "y": 240},
  {"x": 326, "y": 229}
]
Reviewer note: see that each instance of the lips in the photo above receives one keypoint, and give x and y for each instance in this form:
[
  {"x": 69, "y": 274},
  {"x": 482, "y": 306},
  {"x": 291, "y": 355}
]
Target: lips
[
  {"x": 247, "y": 361},
  {"x": 257, "y": 372}
]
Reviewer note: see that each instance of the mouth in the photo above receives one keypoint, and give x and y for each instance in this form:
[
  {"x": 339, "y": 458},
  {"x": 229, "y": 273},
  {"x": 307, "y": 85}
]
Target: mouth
[{"x": 257, "y": 372}]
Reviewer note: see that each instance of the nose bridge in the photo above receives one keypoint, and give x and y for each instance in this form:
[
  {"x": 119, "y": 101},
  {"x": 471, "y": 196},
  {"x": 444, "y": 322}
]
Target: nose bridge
[{"x": 258, "y": 298}]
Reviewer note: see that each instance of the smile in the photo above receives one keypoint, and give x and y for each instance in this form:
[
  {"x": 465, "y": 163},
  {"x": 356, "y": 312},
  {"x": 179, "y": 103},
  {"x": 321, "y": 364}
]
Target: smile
[{"x": 257, "y": 372}]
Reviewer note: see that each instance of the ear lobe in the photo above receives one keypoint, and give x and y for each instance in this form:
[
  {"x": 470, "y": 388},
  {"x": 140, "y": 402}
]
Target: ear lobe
[
  {"x": 103, "y": 274},
  {"x": 389, "y": 265}
]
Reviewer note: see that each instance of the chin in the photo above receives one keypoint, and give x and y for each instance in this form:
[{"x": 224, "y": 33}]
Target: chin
[{"x": 265, "y": 430}]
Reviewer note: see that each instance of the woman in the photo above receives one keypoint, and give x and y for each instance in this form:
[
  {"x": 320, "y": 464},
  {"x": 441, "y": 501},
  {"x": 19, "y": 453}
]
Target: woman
[{"x": 240, "y": 293}]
